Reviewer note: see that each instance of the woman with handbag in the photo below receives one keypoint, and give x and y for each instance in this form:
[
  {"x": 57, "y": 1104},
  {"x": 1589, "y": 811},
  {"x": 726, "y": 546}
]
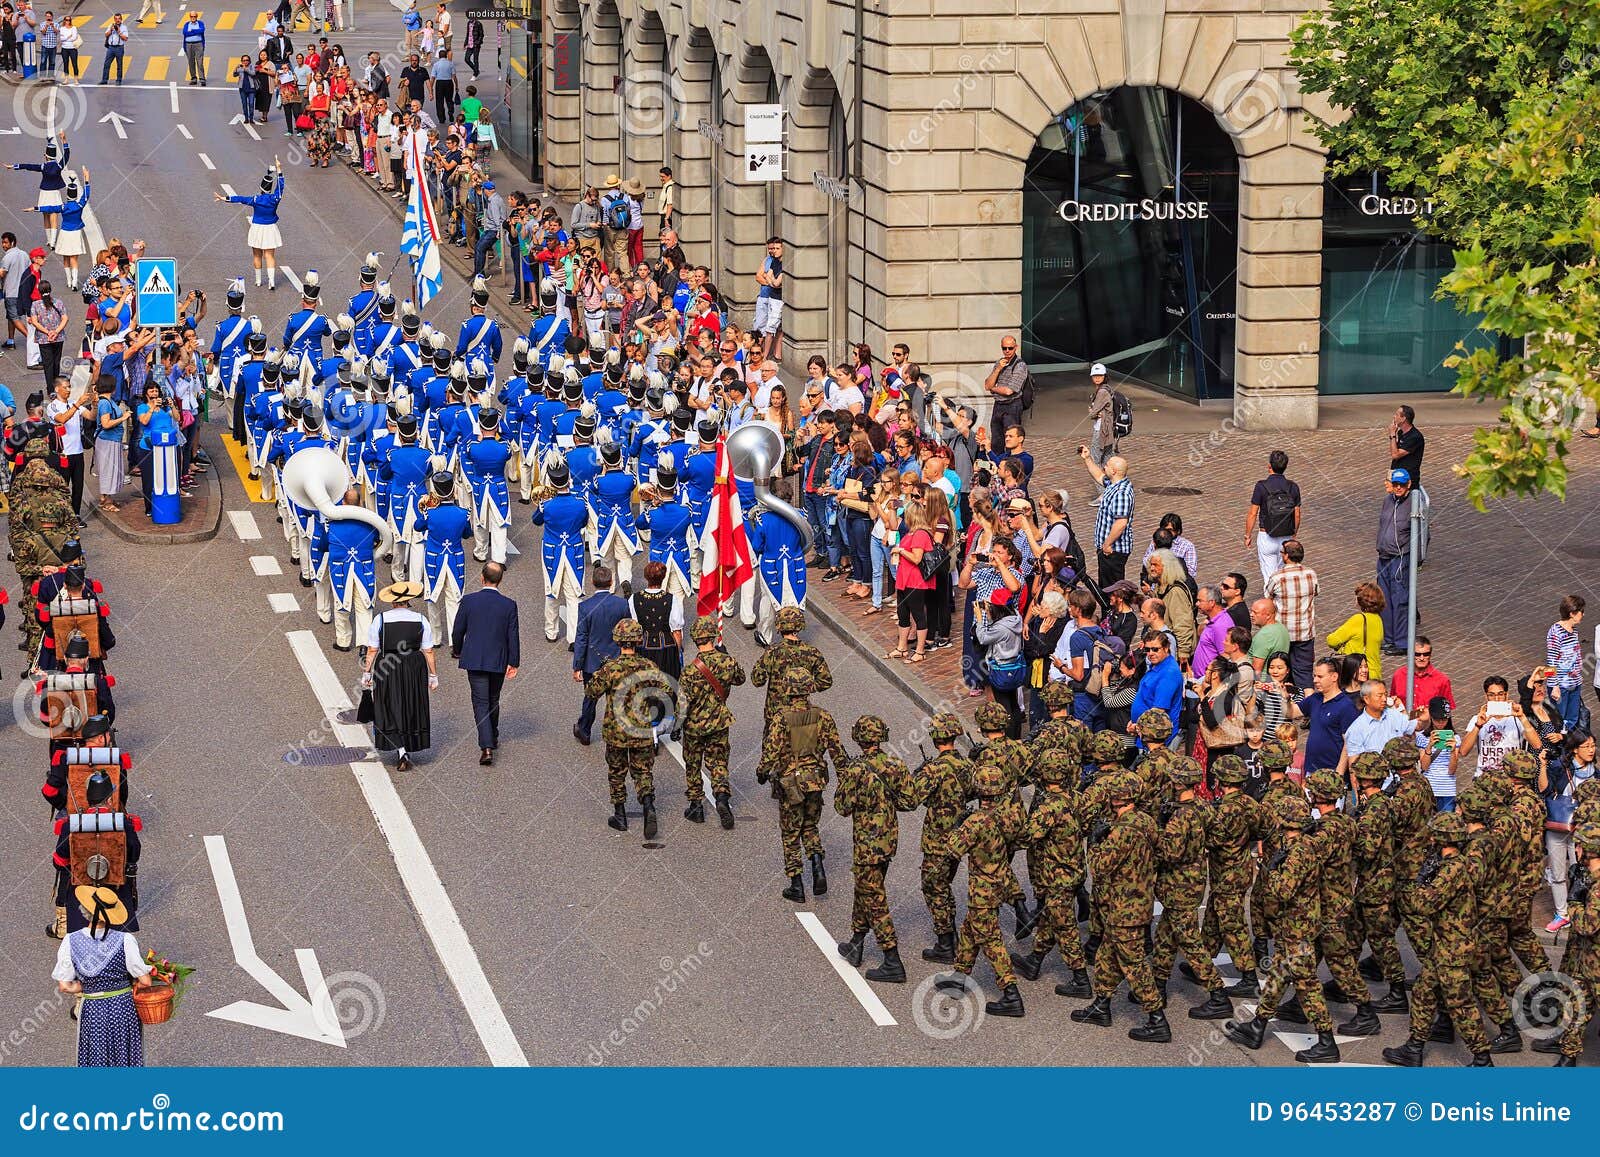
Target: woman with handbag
[
  {"x": 941, "y": 600},
  {"x": 1047, "y": 619},
  {"x": 859, "y": 480},
  {"x": 887, "y": 510},
  {"x": 999, "y": 631},
  {"x": 1560, "y": 778},
  {"x": 911, "y": 584},
  {"x": 1227, "y": 703}
]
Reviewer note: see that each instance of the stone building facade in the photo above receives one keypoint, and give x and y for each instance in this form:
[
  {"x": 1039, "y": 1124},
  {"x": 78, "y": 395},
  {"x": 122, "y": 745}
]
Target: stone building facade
[{"x": 910, "y": 126}]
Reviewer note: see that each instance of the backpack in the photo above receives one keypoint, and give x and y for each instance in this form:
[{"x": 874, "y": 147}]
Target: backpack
[
  {"x": 1106, "y": 648},
  {"x": 1121, "y": 414},
  {"x": 617, "y": 214},
  {"x": 1080, "y": 564},
  {"x": 1027, "y": 393},
  {"x": 1277, "y": 513}
]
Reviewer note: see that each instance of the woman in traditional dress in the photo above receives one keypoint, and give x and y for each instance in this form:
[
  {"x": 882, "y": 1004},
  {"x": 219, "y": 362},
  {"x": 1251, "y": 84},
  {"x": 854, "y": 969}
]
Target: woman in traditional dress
[
  {"x": 51, "y": 183},
  {"x": 102, "y": 964},
  {"x": 72, "y": 235},
  {"x": 264, "y": 238},
  {"x": 400, "y": 672}
]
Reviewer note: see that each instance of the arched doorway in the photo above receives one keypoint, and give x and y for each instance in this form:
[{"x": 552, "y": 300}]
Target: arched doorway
[{"x": 1130, "y": 242}]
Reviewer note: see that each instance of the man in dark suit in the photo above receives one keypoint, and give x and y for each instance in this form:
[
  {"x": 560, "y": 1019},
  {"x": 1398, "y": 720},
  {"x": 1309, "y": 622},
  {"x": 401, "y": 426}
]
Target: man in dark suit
[
  {"x": 598, "y": 615},
  {"x": 485, "y": 642}
]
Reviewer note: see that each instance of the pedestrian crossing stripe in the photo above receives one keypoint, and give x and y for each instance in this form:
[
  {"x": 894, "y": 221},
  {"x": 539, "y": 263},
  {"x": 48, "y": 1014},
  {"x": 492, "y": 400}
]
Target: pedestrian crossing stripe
[
  {"x": 156, "y": 68},
  {"x": 226, "y": 21},
  {"x": 156, "y": 284}
]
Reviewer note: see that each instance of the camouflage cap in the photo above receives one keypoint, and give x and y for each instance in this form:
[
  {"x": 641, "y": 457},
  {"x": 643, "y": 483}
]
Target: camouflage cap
[
  {"x": 1587, "y": 789},
  {"x": 1123, "y": 786},
  {"x": 1057, "y": 696},
  {"x": 791, "y": 620},
  {"x": 1587, "y": 837},
  {"x": 1370, "y": 767},
  {"x": 1401, "y": 752},
  {"x": 1520, "y": 764},
  {"x": 1228, "y": 770},
  {"x": 1276, "y": 755},
  {"x": 945, "y": 727},
  {"x": 797, "y": 681},
  {"x": 1447, "y": 828},
  {"x": 869, "y": 729},
  {"x": 703, "y": 629},
  {"x": 1325, "y": 784},
  {"x": 988, "y": 781},
  {"x": 1496, "y": 790},
  {"x": 993, "y": 717},
  {"x": 1154, "y": 725},
  {"x": 1474, "y": 803},
  {"x": 1106, "y": 747},
  {"x": 1292, "y": 813},
  {"x": 627, "y": 633},
  {"x": 1185, "y": 771},
  {"x": 1056, "y": 766}
]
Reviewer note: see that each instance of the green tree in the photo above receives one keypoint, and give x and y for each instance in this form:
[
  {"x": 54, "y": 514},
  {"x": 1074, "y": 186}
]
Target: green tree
[{"x": 1491, "y": 109}]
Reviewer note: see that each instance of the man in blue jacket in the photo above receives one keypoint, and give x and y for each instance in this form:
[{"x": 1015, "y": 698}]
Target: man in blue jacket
[
  {"x": 1162, "y": 685},
  {"x": 194, "y": 47},
  {"x": 485, "y": 641},
  {"x": 598, "y": 615}
]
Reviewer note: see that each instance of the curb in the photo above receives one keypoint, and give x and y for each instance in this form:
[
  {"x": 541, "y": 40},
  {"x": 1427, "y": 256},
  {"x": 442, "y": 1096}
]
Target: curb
[
  {"x": 824, "y": 614},
  {"x": 213, "y": 482}
]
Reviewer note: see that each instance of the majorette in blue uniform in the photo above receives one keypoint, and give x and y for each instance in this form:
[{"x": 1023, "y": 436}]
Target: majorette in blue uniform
[
  {"x": 363, "y": 309},
  {"x": 264, "y": 237},
  {"x": 565, "y": 519},
  {"x": 56, "y": 155}
]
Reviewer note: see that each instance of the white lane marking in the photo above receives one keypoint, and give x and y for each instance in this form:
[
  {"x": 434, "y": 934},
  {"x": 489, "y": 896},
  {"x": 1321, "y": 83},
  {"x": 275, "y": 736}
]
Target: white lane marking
[
  {"x": 183, "y": 131},
  {"x": 244, "y": 525},
  {"x": 251, "y": 129},
  {"x": 227, "y": 190},
  {"x": 265, "y": 564},
  {"x": 293, "y": 280},
  {"x": 282, "y": 604},
  {"x": 428, "y": 896},
  {"x": 310, "y": 1016},
  {"x": 853, "y": 980},
  {"x": 676, "y": 750},
  {"x": 205, "y": 160},
  {"x": 117, "y": 121},
  {"x": 174, "y": 91}
]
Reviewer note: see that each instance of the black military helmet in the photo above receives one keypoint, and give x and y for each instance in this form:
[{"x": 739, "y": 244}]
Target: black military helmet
[
  {"x": 95, "y": 726},
  {"x": 77, "y": 646},
  {"x": 98, "y": 789}
]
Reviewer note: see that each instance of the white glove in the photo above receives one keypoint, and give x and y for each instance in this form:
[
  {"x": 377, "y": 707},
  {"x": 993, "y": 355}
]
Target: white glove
[
  {"x": 433, "y": 682},
  {"x": 366, "y": 680}
]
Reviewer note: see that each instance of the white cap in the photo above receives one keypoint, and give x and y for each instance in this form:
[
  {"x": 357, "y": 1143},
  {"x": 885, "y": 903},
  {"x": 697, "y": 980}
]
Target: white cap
[{"x": 1098, "y": 370}]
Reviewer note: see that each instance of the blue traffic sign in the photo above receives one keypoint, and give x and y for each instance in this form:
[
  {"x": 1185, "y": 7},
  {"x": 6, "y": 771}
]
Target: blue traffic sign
[{"x": 158, "y": 291}]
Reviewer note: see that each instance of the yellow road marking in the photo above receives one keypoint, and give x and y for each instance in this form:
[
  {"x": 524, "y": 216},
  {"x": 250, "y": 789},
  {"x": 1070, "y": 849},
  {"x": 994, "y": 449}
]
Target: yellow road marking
[
  {"x": 241, "y": 466},
  {"x": 156, "y": 68},
  {"x": 261, "y": 21},
  {"x": 226, "y": 21}
]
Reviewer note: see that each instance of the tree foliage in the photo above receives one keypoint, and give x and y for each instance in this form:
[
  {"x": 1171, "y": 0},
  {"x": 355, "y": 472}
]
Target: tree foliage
[{"x": 1490, "y": 109}]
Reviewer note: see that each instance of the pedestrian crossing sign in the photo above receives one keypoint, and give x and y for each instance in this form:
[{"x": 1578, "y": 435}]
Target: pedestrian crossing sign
[{"x": 158, "y": 292}]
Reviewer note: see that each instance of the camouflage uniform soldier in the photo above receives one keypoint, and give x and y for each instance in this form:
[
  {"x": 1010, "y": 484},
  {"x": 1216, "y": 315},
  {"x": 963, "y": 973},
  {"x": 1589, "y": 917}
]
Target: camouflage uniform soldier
[
  {"x": 1410, "y": 809},
  {"x": 871, "y": 790},
  {"x": 943, "y": 785},
  {"x": 1291, "y": 878},
  {"x": 1181, "y": 888},
  {"x": 41, "y": 521},
  {"x": 635, "y": 689},
  {"x": 1106, "y": 752},
  {"x": 789, "y": 652},
  {"x": 1155, "y": 728},
  {"x": 707, "y": 680},
  {"x": 1335, "y": 942},
  {"x": 1235, "y": 824},
  {"x": 1055, "y": 852},
  {"x": 1581, "y": 962},
  {"x": 1015, "y": 762},
  {"x": 986, "y": 838},
  {"x": 1374, "y": 914},
  {"x": 1122, "y": 858},
  {"x": 1493, "y": 855},
  {"x": 1444, "y": 894},
  {"x": 800, "y": 741},
  {"x": 1061, "y": 730},
  {"x": 1275, "y": 758},
  {"x": 1522, "y": 766}
]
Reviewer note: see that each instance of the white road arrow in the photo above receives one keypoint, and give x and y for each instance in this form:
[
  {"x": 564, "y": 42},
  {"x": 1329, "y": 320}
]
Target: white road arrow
[
  {"x": 313, "y": 1019},
  {"x": 10, "y": 132},
  {"x": 117, "y": 120}
]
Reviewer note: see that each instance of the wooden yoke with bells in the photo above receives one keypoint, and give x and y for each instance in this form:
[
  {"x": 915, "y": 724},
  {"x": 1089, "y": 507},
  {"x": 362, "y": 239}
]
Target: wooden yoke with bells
[
  {"x": 67, "y": 615},
  {"x": 68, "y": 700},
  {"x": 98, "y": 846}
]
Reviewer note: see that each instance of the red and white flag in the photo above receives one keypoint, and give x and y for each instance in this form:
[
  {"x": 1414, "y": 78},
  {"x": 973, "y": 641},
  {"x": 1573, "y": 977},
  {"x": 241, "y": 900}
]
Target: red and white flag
[{"x": 725, "y": 563}]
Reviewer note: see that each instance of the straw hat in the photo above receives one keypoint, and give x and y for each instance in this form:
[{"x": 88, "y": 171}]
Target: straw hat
[
  {"x": 401, "y": 592},
  {"x": 613, "y": 181},
  {"x": 633, "y": 187},
  {"x": 101, "y": 903}
]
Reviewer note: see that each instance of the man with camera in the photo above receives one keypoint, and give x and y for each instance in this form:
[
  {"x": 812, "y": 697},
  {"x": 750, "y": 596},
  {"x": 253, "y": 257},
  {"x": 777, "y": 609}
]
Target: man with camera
[{"x": 1011, "y": 386}]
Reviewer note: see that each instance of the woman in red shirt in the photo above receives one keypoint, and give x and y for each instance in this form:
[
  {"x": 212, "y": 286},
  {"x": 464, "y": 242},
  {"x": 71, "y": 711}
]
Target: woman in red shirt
[{"x": 912, "y": 590}]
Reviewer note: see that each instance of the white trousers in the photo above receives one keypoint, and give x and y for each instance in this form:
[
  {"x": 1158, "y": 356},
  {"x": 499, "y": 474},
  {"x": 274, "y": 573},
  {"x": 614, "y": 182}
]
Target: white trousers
[
  {"x": 566, "y": 590},
  {"x": 442, "y": 611},
  {"x": 747, "y": 602},
  {"x": 352, "y": 617},
  {"x": 1269, "y": 553},
  {"x": 619, "y": 558},
  {"x": 489, "y": 538}
]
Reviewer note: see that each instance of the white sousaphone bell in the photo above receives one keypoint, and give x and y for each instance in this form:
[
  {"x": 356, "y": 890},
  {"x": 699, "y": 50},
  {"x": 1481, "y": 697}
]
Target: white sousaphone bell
[
  {"x": 754, "y": 451},
  {"x": 316, "y": 478}
]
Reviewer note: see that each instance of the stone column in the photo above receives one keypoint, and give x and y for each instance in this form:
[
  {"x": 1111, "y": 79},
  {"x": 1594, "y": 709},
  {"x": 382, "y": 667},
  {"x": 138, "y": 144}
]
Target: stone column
[
  {"x": 562, "y": 131},
  {"x": 602, "y": 57}
]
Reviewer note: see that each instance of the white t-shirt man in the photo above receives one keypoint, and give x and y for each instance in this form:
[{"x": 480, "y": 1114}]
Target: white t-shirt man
[
  {"x": 71, "y": 431},
  {"x": 841, "y": 399},
  {"x": 762, "y": 390},
  {"x": 1495, "y": 738}
]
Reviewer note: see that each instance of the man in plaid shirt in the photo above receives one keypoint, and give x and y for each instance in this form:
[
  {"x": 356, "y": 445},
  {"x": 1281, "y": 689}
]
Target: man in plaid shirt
[
  {"x": 1113, "y": 519},
  {"x": 1294, "y": 590}
]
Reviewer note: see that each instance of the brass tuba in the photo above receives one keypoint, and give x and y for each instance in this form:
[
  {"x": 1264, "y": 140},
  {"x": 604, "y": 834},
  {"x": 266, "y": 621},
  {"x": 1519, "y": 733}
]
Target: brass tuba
[
  {"x": 317, "y": 478},
  {"x": 754, "y": 451}
]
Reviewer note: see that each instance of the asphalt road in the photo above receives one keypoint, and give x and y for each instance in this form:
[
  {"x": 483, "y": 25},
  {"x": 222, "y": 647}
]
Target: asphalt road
[{"x": 595, "y": 948}]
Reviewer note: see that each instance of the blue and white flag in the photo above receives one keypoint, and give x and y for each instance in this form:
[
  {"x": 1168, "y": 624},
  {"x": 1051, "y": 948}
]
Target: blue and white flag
[{"x": 420, "y": 239}]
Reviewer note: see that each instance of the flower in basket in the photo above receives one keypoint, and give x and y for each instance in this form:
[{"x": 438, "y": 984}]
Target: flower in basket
[{"x": 165, "y": 971}]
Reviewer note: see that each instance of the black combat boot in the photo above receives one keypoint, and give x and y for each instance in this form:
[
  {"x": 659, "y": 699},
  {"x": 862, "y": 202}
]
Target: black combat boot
[
  {"x": 619, "y": 817},
  {"x": 1009, "y": 1004},
  {"x": 1333, "y": 994},
  {"x": 1550, "y": 1045},
  {"x": 1097, "y": 1011},
  {"x": 796, "y": 890},
  {"x": 1154, "y": 1030},
  {"x": 1246, "y": 985},
  {"x": 1566, "y": 1062},
  {"x": 1394, "y": 1000},
  {"x": 1369, "y": 967},
  {"x": 853, "y": 948},
  {"x": 943, "y": 951},
  {"x": 1481, "y": 1061},
  {"x": 1028, "y": 966},
  {"x": 1250, "y": 1033},
  {"x": 1186, "y": 970},
  {"x": 1081, "y": 905},
  {"x": 1364, "y": 1023},
  {"x": 1509, "y": 1040},
  {"x": 648, "y": 802},
  {"x": 1025, "y": 919},
  {"x": 1290, "y": 1011},
  {"x": 695, "y": 813},
  {"x": 1216, "y": 1007},
  {"x": 891, "y": 971},
  {"x": 724, "y": 812},
  {"x": 1408, "y": 1055},
  {"x": 1442, "y": 1032},
  {"x": 1077, "y": 986},
  {"x": 953, "y": 982},
  {"x": 819, "y": 878},
  {"x": 1324, "y": 1052}
]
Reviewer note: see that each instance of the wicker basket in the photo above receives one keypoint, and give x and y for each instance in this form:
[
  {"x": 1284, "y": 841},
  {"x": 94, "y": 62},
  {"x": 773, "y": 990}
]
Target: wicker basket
[{"x": 154, "y": 1003}]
